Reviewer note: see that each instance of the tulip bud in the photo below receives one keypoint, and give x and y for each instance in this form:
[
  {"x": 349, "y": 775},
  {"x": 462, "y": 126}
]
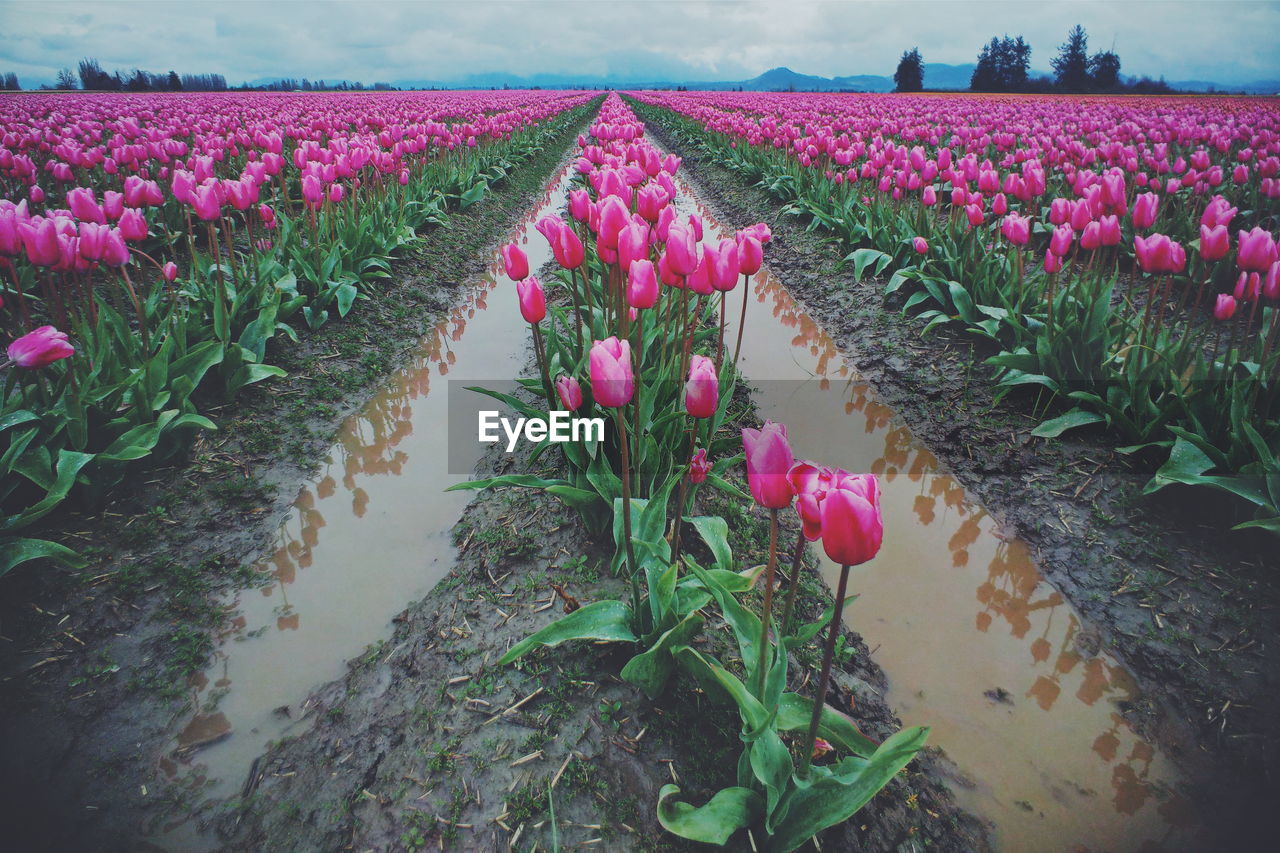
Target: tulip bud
[
  {"x": 569, "y": 392},
  {"x": 769, "y": 459},
  {"x": 921, "y": 245},
  {"x": 170, "y": 271},
  {"x": 1225, "y": 308},
  {"x": 515, "y": 262},
  {"x": 533, "y": 302},
  {"x": 642, "y": 284},
  {"x": 612, "y": 381},
  {"x": 702, "y": 391}
]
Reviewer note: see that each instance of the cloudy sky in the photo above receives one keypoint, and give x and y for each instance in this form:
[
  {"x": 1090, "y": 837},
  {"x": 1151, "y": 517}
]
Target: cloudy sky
[{"x": 1228, "y": 41}]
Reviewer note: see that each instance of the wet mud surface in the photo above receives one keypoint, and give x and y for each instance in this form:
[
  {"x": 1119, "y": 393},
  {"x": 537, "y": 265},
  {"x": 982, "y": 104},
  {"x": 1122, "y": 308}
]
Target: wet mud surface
[
  {"x": 98, "y": 667},
  {"x": 1190, "y": 609}
]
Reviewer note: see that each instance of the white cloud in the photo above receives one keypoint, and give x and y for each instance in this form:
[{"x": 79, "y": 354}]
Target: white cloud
[{"x": 1224, "y": 40}]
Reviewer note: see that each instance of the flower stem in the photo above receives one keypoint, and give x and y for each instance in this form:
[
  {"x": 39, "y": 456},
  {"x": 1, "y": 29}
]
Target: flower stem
[
  {"x": 763, "y": 659},
  {"x": 820, "y": 698}
]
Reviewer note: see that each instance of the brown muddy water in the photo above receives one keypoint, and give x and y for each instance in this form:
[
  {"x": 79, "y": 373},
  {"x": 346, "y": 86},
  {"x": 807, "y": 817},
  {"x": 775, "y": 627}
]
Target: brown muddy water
[
  {"x": 975, "y": 643},
  {"x": 369, "y": 533}
]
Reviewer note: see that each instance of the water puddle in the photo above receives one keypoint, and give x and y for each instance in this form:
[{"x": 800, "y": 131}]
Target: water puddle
[
  {"x": 975, "y": 642},
  {"x": 369, "y": 533}
]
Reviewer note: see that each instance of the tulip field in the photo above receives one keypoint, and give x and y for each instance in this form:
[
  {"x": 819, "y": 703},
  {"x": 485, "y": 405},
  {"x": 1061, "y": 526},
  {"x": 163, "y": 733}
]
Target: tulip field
[
  {"x": 1120, "y": 253},
  {"x": 139, "y": 186},
  {"x": 660, "y": 610}
]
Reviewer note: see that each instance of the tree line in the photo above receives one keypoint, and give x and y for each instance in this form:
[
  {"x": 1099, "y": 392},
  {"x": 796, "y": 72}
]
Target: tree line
[
  {"x": 1004, "y": 65},
  {"x": 90, "y": 76}
]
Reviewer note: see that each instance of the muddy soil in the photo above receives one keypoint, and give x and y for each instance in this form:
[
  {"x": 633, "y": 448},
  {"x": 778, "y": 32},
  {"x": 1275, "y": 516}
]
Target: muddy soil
[
  {"x": 94, "y": 664},
  {"x": 426, "y": 743},
  {"x": 1189, "y": 607}
]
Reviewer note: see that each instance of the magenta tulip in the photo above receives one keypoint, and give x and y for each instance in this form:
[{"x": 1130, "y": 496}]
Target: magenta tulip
[
  {"x": 533, "y": 302},
  {"x": 769, "y": 459},
  {"x": 612, "y": 382},
  {"x": 852, "y": 527},
  {"x": 642, "y": 284},
  {"x": 569, "y": 392},
  {"x": 702, "y": 391},
  {"x": 515, "y": 261},
  {"x": 40, "y": 348}
]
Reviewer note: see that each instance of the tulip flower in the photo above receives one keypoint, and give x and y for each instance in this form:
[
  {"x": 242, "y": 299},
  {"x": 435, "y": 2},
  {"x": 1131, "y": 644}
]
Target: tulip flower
[
  {"x": 533, "y": 302},
  {"x": 852, "y": 528},
  {"x": 1060, "y": 242},
  {"x": 1215, "y": 242},
  {"x": 515, "y": 262},
  {"x": 1091, "y": 237},
  {"x": 1257, "y": 250},
  {"x": 1159, "y": 254},
  {"x": 682, "y": 254},
  {"x": 642, "y": 284},
  {"x": 1144, "y": 210},
  {"x": 921, "y": 245},
  {"x": 569, "y": 392},
  {"x": 40, "y": 348},
  {"x": 769, "y": 459},
  {"x": 1016, "y": 229},
  {"x": 699, "y": 466},
  {"x": 133, "y": 225},
  {"x": 1271, "y": 286},
  {"x": 579, "y": 205},
  {"x": 1225, "y": 307},
  {"x": 633, "y": 244},
  {"x": 612, "y": 381},
  {"x": 750, "y": 254},
  {"x": 702, "y": 391},
  {"x": 170, "y": 271}
]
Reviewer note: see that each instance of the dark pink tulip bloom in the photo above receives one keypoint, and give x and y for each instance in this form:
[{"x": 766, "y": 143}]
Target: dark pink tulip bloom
[{"x": 40, "y": 348}]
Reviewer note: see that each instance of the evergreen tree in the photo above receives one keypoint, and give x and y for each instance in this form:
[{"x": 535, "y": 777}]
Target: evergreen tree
[
  {"x": 984, "y": 78},
  {"x": 910, "y": 74},
  {"x": 1071, "y": 65},
  {"x": 1104, "y": 68}
]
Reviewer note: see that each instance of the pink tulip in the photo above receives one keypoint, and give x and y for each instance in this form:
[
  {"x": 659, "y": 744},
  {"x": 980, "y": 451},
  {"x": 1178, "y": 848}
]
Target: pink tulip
[
  {"x": 1060, "y": 242},
  {"x": 40, "y": 241},
  {"x": 682, "y": 254},
  {"x": 533, "y": 302},
  {"x": 1016, "y": 229},
  {"x": 115, "y": 253},
  {"x": 1215, "y": 242},
  {"x": 133, "y": 225},
  {"x": 267, "y": 215},
  {"x": 170, "y": 271},
  {"x": 612, "y": 382},
  {"x": 699, "y": 466},
  {"x": 723, "y": 264},
  {"x": 569, "y": 392},
  {"x": 1159, "y": 254},
  {"x": 633, "y": 244},
  {"x": 750, "y": 254},
  {"x": 206, "y": 202},
  {"x": 93, "y": 240},
  {"x": 1257, "y": 250},
  {"x": 515, "y": 261},
  {"x": 1091, "y": 237},
  {"x": 579, "y": 205},
  {"x": 921, "y": 245},
  {"x": 1225, "y": 307},
  {"x": 769, "y": 459},
  {"x": 852, "y": 527},
  {"x": 1144, "y": 210},
  {"x": 40, "y": 348},
  {"x": 84, "y": 206},
  {"x": 1052, "y": 262},
  {"x": 702, "y": 391},
  {"x": 1271, "y": 286},
  {"x": 642, "y": 284}
]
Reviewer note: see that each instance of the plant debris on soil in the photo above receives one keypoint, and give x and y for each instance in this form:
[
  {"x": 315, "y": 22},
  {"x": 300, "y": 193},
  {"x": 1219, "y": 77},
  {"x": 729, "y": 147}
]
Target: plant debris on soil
[
  {"x": 95, "y": 663},
  {"x": 1189, "y": 606}
]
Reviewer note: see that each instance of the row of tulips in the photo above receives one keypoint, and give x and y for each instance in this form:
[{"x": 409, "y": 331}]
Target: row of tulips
[
  {"x": 634, "y": 330},
  {"x": 167, "y": 249},
  {"x": 1130, "y": 271}
]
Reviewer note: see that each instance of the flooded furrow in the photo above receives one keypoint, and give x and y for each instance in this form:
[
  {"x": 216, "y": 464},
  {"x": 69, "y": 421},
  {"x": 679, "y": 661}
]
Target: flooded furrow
[
  {"x": 975, "y": 642},
  {"x": 369, "y": 533}
]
